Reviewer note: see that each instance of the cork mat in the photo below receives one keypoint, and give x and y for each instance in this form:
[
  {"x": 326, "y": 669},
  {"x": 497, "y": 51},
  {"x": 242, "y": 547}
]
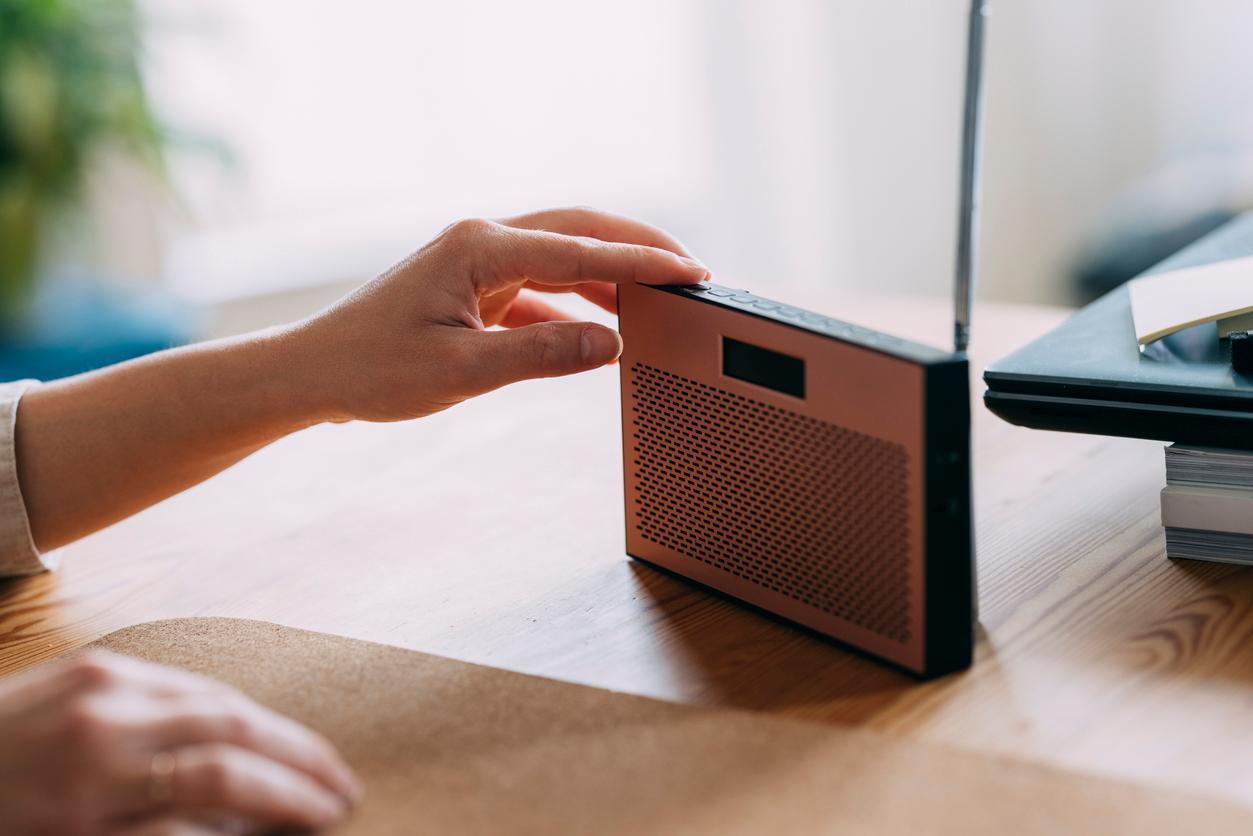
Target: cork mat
[{"x": 453, "y": 748}]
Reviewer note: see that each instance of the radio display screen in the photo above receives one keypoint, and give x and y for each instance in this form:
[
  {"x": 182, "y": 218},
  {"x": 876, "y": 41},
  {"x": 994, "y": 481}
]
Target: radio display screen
[{"x": 763, "y": 367}]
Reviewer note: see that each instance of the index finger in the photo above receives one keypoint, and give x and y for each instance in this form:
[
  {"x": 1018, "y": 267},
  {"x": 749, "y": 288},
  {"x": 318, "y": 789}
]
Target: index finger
[
  {"x": 241, "y": 722},
  {"x": 585, "y": 222},
  {"x": 511, "y": 255}
]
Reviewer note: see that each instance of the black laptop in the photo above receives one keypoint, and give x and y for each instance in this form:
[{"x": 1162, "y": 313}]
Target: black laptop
[{"x": 1088, "y": 375}]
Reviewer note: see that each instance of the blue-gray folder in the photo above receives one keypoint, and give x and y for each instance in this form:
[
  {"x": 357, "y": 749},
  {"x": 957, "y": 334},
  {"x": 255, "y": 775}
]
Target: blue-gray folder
[{"x": 1088, "y": 375}]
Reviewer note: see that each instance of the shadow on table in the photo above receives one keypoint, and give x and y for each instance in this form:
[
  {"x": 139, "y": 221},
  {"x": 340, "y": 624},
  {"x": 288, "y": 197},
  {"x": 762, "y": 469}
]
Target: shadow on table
[
  {"x": 25, "y": 607},
  {"x": 15, "y": 591},
  {"x": 748, "y": 658}
]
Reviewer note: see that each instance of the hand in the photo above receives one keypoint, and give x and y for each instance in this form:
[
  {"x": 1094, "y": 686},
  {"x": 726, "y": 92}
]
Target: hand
[
  {"x": 78, "y": 740},
  {"x": 415, "y": 341}
]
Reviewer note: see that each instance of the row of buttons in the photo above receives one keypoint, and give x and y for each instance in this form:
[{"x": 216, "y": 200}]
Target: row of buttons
[{"x": 815, "y": 321}]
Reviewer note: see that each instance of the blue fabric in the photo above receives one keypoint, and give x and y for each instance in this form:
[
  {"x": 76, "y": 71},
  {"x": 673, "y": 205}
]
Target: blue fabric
[{"x": 76, "y": 326}]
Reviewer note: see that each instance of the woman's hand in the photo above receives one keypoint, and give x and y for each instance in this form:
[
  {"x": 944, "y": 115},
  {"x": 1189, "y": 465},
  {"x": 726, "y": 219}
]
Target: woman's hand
[
  {"x": 107, "y": 744},
  {"x": 414, "y": 340},
  {"x": 101, "y": 446}
]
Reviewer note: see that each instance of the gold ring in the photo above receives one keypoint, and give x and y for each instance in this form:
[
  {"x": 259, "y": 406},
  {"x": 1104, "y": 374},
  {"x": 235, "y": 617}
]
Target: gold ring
[{"x": 161, "y": 778}]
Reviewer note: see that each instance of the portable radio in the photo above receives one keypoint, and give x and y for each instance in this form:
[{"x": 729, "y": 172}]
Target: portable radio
[{"x": 815, "y": 469}]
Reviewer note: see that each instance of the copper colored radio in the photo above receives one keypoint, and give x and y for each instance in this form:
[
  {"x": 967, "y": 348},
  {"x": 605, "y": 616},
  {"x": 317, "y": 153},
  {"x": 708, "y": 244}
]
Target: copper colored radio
[
  {"x": 817, "y": 470},
  {"x": 814, "y": 469}
]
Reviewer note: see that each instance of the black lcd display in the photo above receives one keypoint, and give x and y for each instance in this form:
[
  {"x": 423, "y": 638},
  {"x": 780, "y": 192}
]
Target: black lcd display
[{"x": 753, "y": 364}]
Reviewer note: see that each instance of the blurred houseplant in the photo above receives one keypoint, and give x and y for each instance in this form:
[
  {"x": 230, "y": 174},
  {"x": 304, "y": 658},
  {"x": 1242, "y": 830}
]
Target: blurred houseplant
[{"x": 70, "y": 90}]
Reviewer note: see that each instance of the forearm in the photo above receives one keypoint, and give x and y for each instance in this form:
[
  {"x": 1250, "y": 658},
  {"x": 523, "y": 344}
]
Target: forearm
[{"x": 96, "y": 448}]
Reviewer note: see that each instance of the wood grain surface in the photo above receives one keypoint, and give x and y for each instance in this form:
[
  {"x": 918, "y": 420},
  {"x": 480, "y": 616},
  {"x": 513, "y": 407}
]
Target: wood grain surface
[{"x": 493, "y": 533}]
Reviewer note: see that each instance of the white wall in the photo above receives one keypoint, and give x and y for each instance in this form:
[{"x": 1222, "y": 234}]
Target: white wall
[
  {"x": 1104, "y": 111},
  {"x": 797, "y": 140}
]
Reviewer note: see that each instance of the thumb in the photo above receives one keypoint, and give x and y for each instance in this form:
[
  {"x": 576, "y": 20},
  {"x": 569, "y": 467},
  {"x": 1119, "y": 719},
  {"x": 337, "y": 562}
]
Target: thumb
[{"x": 546, "y": 349}]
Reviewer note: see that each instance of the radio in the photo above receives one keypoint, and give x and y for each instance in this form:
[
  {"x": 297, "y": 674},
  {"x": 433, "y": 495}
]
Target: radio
[{"x": 813, "y": 468}]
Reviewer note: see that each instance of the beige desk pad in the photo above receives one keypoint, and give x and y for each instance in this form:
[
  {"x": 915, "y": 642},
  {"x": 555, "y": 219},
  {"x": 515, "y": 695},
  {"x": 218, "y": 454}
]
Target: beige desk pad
[{"x": 448, "y": 747}]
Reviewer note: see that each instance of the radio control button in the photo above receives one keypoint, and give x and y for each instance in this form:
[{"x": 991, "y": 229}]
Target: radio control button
[
  {"x": 741, "y": 299},
  {"x": 718, "y": 291}
]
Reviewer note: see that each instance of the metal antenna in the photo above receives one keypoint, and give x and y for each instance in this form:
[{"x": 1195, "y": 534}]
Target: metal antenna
[{"x": 971, "y": 171}]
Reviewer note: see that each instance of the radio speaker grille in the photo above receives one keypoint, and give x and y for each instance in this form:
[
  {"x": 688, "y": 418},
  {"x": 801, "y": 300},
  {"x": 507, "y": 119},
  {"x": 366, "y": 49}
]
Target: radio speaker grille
[{"x": 805, "y": 508}]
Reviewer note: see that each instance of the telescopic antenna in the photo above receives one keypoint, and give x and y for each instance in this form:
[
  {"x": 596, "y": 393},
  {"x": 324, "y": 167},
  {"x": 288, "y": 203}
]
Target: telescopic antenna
[{"x": 971, "y": 170}]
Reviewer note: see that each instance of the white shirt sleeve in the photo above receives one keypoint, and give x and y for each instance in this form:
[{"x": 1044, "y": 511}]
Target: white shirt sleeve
[{"x": 18, "y": 555}]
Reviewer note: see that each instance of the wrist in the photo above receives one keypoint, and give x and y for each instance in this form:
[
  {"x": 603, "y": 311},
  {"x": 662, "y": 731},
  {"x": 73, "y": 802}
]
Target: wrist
[
  {"x": 298, "y": 380},
  {"x": 284, "y": 397}
]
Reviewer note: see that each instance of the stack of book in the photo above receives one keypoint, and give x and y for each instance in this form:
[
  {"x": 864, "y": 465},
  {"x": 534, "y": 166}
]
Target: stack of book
[{"x": 1207, "y": 504}]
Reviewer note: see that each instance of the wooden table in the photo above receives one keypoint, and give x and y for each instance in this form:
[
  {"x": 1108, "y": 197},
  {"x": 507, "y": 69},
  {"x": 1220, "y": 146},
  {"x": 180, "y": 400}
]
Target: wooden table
[{"x": 493, "y": 533}]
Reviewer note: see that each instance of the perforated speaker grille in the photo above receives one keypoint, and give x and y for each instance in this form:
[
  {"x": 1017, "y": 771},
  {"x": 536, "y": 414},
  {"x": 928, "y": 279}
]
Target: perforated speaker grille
[{"x": 805, "y": 508}]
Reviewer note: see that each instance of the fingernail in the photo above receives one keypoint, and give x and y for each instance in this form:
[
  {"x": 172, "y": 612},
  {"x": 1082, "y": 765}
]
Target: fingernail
[
  {"x": 693, "y": 264},
  {"x": 599, "y": 346}
]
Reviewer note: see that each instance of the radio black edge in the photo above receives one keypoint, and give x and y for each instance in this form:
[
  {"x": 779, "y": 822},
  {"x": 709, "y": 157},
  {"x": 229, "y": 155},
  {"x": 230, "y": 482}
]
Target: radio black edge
[{"x": 950, "y": 573}]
